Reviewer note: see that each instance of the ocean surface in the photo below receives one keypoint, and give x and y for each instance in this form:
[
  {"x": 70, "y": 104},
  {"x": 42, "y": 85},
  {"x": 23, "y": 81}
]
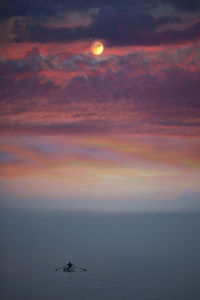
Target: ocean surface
[{"x": 143, "y": 256}]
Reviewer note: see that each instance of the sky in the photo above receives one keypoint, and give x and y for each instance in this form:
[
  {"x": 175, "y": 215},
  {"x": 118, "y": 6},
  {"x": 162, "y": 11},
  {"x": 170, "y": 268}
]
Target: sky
[{"x": 114, "y": 132}]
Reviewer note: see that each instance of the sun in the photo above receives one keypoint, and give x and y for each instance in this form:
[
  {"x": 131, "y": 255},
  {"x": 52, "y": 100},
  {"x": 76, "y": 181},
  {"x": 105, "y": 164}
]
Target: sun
[{"x": 97, "y": 48}]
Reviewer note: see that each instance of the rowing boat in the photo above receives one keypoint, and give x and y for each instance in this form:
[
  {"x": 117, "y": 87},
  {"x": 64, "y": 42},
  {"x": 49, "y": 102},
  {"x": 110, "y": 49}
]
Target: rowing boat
[{"x": 68, "y": 269}]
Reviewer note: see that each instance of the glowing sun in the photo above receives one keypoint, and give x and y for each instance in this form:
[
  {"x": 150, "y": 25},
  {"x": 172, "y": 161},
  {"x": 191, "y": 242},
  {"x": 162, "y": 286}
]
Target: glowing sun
[{"x": 97, "y": 48}]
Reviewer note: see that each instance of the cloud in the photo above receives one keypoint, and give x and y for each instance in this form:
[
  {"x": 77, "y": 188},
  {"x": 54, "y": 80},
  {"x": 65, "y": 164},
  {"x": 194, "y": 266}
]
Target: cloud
[
  {"x": 138, "y": 92},
  {"x": 116, "y": 27},
  {"x": 184, "y": 5},
  {"x": 117, "y": 23},
  {"x": 124, "y": 125},
  {"x": 49, "y": 7},
  {"x": 29, "y": 64}
]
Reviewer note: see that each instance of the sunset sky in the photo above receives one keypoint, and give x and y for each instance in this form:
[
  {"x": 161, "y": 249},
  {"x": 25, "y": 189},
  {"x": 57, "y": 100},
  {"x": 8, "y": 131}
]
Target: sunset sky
[{"x": 118, "y": 131}]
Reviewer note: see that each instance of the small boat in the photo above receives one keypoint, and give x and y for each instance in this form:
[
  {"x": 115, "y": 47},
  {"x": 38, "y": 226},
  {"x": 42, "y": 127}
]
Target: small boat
[{"x": 70, "y": 268}]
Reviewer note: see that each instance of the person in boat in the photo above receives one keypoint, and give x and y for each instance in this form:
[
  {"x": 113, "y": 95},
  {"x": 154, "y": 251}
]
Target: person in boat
[{"x": 69, "y": 266}]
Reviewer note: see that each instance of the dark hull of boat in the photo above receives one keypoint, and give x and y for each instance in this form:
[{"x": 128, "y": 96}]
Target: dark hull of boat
[{"x": 69, "y": 270}]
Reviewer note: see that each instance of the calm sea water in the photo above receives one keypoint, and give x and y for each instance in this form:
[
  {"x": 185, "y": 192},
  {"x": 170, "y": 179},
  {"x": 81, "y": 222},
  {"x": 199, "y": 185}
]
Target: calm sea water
[{"x": 128, "y": 257}]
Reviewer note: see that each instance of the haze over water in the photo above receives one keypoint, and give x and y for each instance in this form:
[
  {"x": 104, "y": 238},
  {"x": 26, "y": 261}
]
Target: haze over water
[{"x": 128, "y": 256}]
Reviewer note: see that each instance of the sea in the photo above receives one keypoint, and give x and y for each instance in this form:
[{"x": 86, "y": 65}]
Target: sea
[{"x": 143, "y": 256}]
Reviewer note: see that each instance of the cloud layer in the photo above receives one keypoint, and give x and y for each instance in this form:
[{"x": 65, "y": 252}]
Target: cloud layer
[{"x": 125, "y": 123}]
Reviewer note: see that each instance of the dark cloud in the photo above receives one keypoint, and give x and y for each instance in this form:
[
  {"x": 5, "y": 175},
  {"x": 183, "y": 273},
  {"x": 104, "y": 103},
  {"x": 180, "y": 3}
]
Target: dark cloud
[
  {"x": 12, "y": 8},
  {"x": 94, "y": 127},
  {"x": 40, "y": 9},
  {"x": 139, "y": 28},
  {"x": 185, "y": 5},
  {"x": 116, "y": 26},
  {"x": 117, "y": 22},
  {"x": 83, "y": 127}
]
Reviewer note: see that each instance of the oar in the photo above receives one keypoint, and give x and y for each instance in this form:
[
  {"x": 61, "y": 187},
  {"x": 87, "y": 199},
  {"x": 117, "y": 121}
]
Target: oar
[
  {"x": 59, "y": 268},
  {"x": 80, "y": 268}
]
